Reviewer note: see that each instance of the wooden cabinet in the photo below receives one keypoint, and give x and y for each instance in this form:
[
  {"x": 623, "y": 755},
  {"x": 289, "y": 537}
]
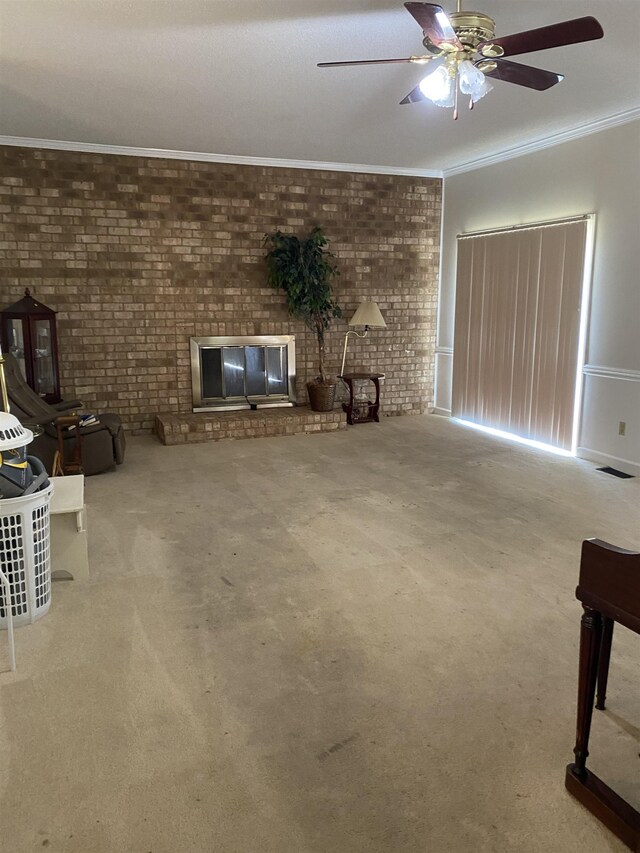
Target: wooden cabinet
[{"x": 29, "y": 334}]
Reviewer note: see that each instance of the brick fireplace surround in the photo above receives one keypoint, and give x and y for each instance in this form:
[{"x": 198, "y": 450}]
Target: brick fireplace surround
[{"x": 138, "y": 254}]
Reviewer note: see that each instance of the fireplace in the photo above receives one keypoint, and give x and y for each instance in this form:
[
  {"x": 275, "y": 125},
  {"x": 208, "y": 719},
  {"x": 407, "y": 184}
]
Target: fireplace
[{"x": 246, "y": 372}]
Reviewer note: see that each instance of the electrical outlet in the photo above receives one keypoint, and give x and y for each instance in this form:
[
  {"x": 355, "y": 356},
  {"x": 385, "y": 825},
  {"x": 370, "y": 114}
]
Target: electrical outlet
[{"x": 622, "y": 428}]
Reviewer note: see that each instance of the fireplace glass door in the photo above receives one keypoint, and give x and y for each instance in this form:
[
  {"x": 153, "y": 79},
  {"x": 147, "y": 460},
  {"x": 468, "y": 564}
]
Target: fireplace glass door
[{"x": 231, "y": 374}]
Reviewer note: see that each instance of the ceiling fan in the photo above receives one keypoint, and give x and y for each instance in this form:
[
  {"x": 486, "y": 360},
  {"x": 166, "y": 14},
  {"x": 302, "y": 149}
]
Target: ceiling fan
[{"x": 468, "y": 54}]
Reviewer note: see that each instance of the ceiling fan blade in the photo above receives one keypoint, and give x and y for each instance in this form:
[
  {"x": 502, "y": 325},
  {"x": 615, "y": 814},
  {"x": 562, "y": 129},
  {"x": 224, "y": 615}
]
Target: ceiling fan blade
[
  {"x": 555, "y": 35},
  {"x": 419, "y": 60},
  {"x": 414, "y": 96},
  {"x": 521, "y": 75},
  {"x": 435, "y": 24}
]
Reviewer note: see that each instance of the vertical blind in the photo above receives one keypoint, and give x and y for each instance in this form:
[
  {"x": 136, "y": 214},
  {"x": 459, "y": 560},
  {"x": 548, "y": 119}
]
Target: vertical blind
[{"x": 517, "y": 329}]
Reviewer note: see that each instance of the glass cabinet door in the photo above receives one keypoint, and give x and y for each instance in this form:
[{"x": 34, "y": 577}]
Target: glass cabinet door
[
  {"x": 15, "y": 336},
  {"x": 28, "y": 333},
  {"x": 43, "y": 363}
]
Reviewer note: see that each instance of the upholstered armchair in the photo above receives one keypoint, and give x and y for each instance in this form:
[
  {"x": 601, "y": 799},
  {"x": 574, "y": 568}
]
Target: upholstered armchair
[{"x": 102, "y": 444}]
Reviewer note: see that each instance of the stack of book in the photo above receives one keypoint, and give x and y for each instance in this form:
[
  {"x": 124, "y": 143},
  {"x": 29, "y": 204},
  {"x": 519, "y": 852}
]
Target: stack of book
[{"x": 88, "y": 420}]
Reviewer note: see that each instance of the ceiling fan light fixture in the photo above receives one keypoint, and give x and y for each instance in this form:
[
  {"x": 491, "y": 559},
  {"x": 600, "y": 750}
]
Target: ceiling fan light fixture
[
  {"x": 471, "y": 79},
  {"x": 439, "y": 87},
  {"x": 481, "y": 91},
  {"x": 469, "y": 52}
]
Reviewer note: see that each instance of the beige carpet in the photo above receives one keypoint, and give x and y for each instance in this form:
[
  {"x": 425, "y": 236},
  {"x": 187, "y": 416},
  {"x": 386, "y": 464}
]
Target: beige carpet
[{"x": 343, "y": 643}]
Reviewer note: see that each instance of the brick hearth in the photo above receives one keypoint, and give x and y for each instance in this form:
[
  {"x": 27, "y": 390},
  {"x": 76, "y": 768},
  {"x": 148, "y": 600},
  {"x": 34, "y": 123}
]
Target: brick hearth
[{"x": 215, "y": 426}]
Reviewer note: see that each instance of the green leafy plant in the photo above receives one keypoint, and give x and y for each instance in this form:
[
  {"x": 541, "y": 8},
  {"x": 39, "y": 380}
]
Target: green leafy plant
[{"x": 303, "y": 269}]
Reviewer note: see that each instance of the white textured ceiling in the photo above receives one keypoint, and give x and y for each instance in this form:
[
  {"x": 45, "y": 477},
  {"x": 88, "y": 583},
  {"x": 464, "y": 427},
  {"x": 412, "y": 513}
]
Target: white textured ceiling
[{"x": 239, "y": 77}]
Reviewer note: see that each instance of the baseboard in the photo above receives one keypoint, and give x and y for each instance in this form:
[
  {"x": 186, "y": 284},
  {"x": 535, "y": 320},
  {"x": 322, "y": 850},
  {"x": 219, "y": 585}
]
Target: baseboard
[
  {"x": 438, "y": 411},
  {"x": 625, "y": 465}
]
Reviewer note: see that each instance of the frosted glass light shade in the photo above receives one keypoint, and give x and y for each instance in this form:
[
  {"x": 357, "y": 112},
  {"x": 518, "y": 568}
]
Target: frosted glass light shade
[
  {"x": 482, "y": 91},
  {"x": 439, "y": 87},
  {"x": 368, "y": 314},
  {"x": 472, "y": 81}
]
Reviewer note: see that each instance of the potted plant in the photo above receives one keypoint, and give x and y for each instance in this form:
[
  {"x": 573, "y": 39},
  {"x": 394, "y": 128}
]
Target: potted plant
[{"x": 303, "y": 269}]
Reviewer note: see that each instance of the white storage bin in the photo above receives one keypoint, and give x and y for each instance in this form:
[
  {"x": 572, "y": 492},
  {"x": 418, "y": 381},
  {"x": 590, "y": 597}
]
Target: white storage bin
[{"x": 25, "y": 556}]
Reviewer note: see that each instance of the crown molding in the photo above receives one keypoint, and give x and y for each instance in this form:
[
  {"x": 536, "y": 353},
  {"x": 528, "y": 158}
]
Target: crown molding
[
  {"x": 318, "y": 165},
  {"x": 168, "y": 154},
  {"x": 545, "y": 142}
]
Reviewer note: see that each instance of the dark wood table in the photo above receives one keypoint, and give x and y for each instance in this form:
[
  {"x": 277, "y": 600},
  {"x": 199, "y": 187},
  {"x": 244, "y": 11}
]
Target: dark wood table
[
  {"x": 366, "y": 411},
  {"x": 609, "y": 589},
  {"x": 73, "y": 464}
]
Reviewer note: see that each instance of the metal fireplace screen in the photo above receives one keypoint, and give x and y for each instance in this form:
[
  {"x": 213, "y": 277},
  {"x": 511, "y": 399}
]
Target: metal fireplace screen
[{"x": 243, "y": 372}]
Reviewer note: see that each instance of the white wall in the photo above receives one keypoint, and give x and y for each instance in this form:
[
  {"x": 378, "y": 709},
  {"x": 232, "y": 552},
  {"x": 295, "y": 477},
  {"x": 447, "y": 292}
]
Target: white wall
[{"x": 595, "y": 174}]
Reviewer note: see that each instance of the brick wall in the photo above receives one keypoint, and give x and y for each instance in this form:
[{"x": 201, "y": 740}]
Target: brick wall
[{"x": 138, "y": 254}]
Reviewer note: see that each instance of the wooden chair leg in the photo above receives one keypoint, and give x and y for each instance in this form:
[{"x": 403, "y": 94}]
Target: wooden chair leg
[
  {"x": 590, "y": 640},
  {"x": 603, "y": 663}
]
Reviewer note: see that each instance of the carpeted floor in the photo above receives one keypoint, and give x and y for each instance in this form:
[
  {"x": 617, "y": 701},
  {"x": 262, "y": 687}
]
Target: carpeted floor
[{"x": 362, "y": 642}]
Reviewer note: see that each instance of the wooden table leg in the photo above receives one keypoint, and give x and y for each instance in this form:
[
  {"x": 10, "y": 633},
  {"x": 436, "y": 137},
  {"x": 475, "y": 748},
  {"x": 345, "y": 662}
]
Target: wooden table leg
[
  {"x": 590, "y": 637},
  {"x": 73, "y": 464},
  {"x": 376, "y": 406},
  {"x": 348, "y": 407},
  {"x": 603, "y": 663}
]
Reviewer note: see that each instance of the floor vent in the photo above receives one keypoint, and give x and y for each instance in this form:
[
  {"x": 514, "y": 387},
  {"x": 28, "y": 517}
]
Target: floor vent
[{"x": 615, "y": 473}]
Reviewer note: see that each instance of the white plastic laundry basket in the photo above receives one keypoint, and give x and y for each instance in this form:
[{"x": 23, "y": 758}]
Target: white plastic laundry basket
[{"x": 25, "y": 556}]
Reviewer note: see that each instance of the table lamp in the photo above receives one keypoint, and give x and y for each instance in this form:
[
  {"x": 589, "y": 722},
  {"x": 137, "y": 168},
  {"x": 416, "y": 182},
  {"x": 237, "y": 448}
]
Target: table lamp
[{"x": 367, "y": 315}]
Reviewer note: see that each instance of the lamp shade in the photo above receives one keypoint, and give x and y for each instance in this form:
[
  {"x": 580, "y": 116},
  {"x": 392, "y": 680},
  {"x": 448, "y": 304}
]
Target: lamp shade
[{"x": 368, "y": 314}]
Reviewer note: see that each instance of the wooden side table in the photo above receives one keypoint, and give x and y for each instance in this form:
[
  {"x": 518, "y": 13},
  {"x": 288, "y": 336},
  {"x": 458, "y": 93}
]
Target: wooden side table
[
  {"x": 609, "y": 589},
  {"x": 74, "y": 464},
  {"x": 367, "y": 411}
]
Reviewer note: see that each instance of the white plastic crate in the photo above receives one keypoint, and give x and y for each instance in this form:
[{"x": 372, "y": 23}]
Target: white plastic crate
[{"x": 25, "y": 556}]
